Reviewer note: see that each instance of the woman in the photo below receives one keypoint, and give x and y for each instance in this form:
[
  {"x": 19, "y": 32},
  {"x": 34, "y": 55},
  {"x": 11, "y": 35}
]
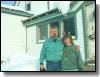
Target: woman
[{"x": 71, "y": 57}]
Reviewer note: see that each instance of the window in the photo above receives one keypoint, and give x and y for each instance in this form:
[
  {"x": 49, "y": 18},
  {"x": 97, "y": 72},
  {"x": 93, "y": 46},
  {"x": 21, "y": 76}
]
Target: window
[
  {"x": 69, "y": 26},
  {"x": 71, "y": 2},
  {"x": 56, "y": 23},
  {"x": 42, "y": 32},
  {"x": 28, "y": 5}
]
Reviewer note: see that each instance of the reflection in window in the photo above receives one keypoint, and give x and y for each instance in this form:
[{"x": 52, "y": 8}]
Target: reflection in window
[
  {"x": 42, "y": 32},
  {"x": 28, "y": 5},
  {"x": 69, "y": 26}
]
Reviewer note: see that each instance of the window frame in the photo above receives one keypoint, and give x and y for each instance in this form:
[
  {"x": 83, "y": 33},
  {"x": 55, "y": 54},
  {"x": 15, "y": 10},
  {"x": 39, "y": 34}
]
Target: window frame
[{"x": 62, "y": 27}]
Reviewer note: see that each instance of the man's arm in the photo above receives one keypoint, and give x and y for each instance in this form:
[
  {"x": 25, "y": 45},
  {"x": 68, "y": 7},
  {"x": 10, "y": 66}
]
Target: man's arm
[{"x": 42, "y": 55}]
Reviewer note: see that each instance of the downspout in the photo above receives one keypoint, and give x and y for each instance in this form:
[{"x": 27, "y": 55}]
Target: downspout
[
  {"x": 18, "y": 3},
  {"x": 26, "y": 30},
  {"x": 25, "y": 6},
  {"x": 48, "y": 5},
  {"x": 26, "y": 35},
  {"x": 26, "y": 39}
]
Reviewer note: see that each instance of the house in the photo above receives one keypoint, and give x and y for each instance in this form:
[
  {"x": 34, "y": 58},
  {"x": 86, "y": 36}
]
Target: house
[
  {"x": 79, "y": 21},
  {"x": 33, "y": 31}
]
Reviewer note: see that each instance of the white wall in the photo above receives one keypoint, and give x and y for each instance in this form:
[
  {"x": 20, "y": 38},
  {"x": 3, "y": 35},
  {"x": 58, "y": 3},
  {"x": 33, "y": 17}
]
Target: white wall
[
  {"x": 51, "y": 4},
  {"x": 80, "y": 40},
  {"x": 32, "y": 47},
  {"x": 39, "y": 7},
  {"x": 21, "y": 4},
  {"x": 13, "y": 35}
]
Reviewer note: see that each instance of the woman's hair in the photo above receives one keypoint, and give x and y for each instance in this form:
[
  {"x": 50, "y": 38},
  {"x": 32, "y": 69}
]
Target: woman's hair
[{"x": 68, "y": 35}]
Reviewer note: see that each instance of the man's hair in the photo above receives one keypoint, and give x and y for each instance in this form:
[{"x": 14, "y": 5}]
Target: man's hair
[
  {"x": 68, "y": 35},
  {"x": 54, "y": 27}
]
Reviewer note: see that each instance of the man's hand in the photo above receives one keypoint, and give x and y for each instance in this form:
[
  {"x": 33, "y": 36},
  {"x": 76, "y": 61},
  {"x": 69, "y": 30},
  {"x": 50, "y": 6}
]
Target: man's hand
[{"x": 41, "y": 66}]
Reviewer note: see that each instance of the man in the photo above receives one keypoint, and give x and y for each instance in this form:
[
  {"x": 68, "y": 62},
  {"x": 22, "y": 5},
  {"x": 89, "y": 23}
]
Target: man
[{"x": 51, "y": 51}]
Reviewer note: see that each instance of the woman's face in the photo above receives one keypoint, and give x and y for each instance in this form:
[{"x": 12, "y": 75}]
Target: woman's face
[{"x": 67, "y": 41}]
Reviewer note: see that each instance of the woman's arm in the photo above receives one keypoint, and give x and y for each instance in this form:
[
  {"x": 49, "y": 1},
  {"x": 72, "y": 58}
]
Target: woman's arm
[{"x": 79, "y": 58}]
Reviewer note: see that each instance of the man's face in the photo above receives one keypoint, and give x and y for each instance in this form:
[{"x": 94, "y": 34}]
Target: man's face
[{"x": 54, "y": 33}]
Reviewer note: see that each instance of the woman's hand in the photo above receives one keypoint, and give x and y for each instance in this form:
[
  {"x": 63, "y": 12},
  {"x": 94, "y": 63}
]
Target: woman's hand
[{"x": 78, "y": 48}]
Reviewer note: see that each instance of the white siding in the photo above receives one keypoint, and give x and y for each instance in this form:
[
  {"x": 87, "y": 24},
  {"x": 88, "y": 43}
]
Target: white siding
[
  {"x": 80, "y": 40},
  {"x": 13, "y": 35},
  {"x": 21, "y": 4},
  {"x": 38, "y": 7},
  {"x": 51, "y": 4},
  {"x": 32, "y": 47}
]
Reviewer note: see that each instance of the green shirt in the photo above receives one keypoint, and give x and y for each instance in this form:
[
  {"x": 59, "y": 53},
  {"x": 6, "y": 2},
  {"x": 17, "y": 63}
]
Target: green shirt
[
  {"x": 51, "y": 50},
  {"x": 71, "y": 58}
]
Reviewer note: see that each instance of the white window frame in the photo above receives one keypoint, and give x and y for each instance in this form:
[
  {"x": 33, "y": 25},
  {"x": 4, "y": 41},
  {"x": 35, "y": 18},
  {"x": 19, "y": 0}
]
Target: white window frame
[{"x": 38, "y": 33}]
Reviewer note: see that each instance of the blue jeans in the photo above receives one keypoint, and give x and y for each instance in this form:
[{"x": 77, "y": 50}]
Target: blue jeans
[{"x": 53, "y": 66}]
